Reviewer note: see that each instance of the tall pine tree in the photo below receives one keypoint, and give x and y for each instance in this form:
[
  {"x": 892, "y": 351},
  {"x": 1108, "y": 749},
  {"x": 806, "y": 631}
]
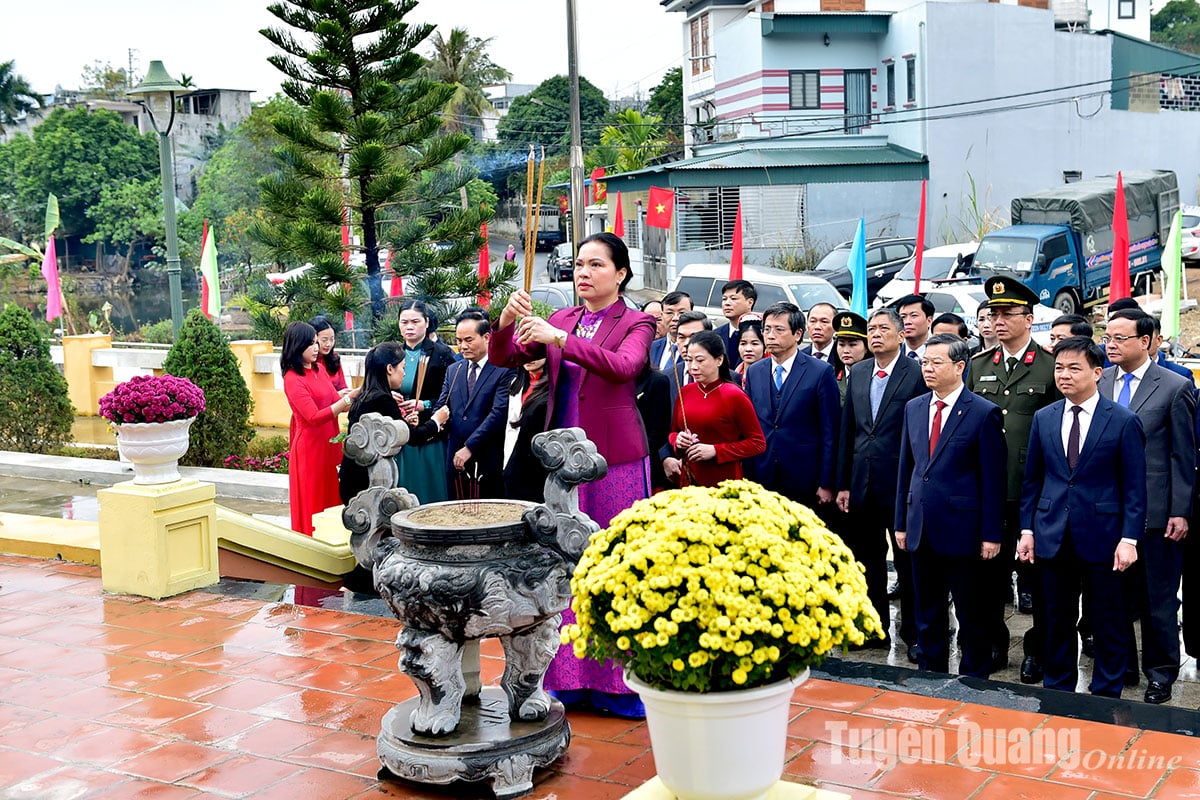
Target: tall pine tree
[{"x": 371, "y": 140}]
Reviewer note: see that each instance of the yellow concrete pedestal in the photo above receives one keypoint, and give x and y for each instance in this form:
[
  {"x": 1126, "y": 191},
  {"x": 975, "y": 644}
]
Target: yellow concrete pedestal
[
  {"x": 157, "y": 541},
  {"x": 784, "y": 790}
]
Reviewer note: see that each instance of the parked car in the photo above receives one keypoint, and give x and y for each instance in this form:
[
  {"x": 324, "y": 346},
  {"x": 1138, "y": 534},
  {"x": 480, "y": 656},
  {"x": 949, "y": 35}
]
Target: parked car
[
  {"x": 937, "y": 263},
  {"x": 561, "y": 294},
  {"x": 885, "y": 257},
  {"x": 964, "y": 300},
  {"x": 1190, "y": 227},
  {"x": 560, "y": 264},
  {"x": 703, "y": 283}
]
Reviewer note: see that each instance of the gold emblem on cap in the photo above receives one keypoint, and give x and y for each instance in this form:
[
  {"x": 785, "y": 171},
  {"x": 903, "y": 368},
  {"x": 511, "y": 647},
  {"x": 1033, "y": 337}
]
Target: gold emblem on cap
[
  {"x": 847, "y": 322},
  {"x": 998, "y": 287}
]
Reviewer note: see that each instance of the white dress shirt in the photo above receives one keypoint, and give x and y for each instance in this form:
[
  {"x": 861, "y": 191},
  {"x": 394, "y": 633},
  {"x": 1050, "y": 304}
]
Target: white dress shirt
[
  {"x": 1137, "y": 374},
  {"x": 826, "y": 355},
  {"x": 949, "y": 400},
  {"x": 787, "y": 367},
  {"x": 891, "y": 365}
]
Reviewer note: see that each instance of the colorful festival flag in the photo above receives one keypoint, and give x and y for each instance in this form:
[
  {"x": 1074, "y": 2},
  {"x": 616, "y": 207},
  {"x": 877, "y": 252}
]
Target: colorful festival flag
[
  {"x": 53, "y": 286},
  {"x": 735, "y": 258},
  {"x": 662, "y": 203},
  {"x": 618, "y": 226},
  {"x": 485, "y": 297},
  {"x": 1118, "y": 282},
  {"x": 1172, "y": 265},
  {"x": 599, "y": 188},
  {"x": 210, "y": 279},
  {"x": 858, "y": 270},
  {"x": 397, "y": 288}
]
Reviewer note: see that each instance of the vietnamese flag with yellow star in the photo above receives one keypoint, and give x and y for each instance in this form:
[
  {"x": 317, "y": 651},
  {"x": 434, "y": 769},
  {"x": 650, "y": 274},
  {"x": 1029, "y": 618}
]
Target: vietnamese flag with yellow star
[{"x": 662, "y": 203}]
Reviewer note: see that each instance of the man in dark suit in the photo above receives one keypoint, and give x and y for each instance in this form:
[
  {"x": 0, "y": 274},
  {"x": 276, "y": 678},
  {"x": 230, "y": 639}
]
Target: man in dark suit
[
  {"x": 869, "y": 459},
  {"x": 663, "y": 350},
  {"x": 476, "y": 392},
  {"x": 796, "y": 399},
  {"x": 916, "y": 312},
  {"x": 820, "y": 333},
  {"x": 1083, "y": 512},
  {"x": 687, "y": 325},
  {"x": 737, "y": 298},
  {"x": 948, "y": 505},
  {"x": 1166, "y": 405},
  {"x": 1018, "y": 376}
]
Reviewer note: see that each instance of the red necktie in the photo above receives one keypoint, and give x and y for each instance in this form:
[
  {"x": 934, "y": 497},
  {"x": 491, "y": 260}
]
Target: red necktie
[
  {"x": 935, "y": 432},
  {"x": 819, "y": 355},
  {"x": 881, "y": 374}
]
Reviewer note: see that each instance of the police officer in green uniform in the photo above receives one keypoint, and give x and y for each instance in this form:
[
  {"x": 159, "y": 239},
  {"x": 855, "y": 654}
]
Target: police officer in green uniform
[
  {"x": 850, "y": 346},
  {"x": 1018, "y": 376}
]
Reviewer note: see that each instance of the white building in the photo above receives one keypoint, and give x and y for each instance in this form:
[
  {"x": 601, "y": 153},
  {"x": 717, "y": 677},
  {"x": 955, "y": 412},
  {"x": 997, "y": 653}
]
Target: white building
[{"x": 814, "y": 113}]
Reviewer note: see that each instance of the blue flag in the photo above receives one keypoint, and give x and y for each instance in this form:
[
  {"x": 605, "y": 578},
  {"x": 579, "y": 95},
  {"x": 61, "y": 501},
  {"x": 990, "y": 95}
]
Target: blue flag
[{"x": 858, "y": 270}]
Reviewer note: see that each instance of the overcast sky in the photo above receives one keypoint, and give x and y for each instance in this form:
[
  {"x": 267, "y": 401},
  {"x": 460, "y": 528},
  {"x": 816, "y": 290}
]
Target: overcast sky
[{"x": 624, "y": 45}]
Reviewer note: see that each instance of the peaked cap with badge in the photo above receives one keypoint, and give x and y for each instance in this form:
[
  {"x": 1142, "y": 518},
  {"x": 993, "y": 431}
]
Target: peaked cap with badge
[{"x": 849, "y": 324}]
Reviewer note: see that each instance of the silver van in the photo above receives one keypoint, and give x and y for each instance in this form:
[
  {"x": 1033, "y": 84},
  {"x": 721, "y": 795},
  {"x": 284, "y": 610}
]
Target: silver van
[{"x": 703, "y": 282}]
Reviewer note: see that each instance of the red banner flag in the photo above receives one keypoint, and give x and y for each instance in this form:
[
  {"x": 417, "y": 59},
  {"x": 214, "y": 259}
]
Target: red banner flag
[
  {"x": 397, "y": 287},
  {"x": 484, "y": 298},
  {"x": 618, "y": 226},
  {"x": 1118, "y": 282},
  {"x": 662, "y": 203},
  {"x": 599, "y": 189},
  {"x": 563, "y": 204},
  {"x": 920, "y": 255},
  {"x": 735, "y": 259}
]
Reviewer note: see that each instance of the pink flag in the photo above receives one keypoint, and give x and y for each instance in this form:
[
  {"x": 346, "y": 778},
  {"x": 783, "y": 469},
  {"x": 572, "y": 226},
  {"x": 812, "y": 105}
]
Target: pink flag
[
  {"x": 53, "y": 287},
  {"x": 920, "y": 255},
  {"x": 346, "y": 261},
  {"x": 618, "y": 227},
  {"x": 735, "y": 260},
  {"x": 485, "y": 298},
  {"x": 397, "y": 281},
  {"x": 1118, "y": 282}
]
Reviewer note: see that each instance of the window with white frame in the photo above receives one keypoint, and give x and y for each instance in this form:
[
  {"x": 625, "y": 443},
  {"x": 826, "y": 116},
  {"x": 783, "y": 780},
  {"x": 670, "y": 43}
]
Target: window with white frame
[
  {"x": 804, "y": 89},
  {"x": 1126, "y": 9}
]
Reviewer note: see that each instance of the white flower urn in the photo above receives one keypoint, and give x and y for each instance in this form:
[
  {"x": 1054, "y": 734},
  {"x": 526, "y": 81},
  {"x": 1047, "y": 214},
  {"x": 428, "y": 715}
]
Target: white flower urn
[{"x": 154, "y": 448}]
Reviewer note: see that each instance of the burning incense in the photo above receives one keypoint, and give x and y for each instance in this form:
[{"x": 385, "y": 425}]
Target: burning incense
[{"x": 530, "y": 233}]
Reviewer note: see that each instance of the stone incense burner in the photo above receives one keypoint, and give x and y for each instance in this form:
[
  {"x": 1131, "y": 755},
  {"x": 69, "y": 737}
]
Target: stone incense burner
[{"x": 457, "y": 572}]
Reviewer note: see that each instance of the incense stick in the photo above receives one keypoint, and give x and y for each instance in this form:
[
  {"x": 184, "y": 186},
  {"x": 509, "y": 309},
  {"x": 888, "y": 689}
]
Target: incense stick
[
  {"x": 530, "y": 234},
  {"x": 537, "y": 214},
  {"x": 422, "y": 368}
]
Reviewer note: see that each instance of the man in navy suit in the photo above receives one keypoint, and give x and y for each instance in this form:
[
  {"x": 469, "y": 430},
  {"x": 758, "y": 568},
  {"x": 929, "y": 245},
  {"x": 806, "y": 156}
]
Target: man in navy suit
[
  {"x": 737, "y": 299},
  {"x": 476, "y": 393},
  {"x": 1083, "y": 512},
  {"x": 663, "y": 350},
  {"x": 820, "y": 333},
  {"x": 949, "y": 506},
  {"x": 869, "y": 460},
  {"x": 796, "y": 399}
]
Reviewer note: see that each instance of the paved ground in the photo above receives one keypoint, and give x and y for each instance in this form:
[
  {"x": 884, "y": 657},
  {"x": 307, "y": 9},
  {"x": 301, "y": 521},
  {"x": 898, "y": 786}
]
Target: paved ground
[{"x": 206, "y": 695}]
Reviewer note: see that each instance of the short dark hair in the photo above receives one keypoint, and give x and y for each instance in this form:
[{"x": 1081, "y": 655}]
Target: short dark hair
[
  {"x": 714, "y": 345},
  {"x": 1079, "y": 324},
  {"x": 1144, "y": 322},
  {"x": 795, "y": 316},
  {"x": 958, "y": 349},
  {"x": 673, "y": 298},
  {"x": 483, "y": 326},
  {"x": 1123, "y": 304},
  {"x": 952, "y": 319},
  {"x": 926, "y": 304},
  {"x": 617, "y": 251},
  {"x": 297, "y": 338},
  {"x": 1081, "y": 344},
  {"x": 744, "y": 288},
  {"x": 694, "y": 316}
]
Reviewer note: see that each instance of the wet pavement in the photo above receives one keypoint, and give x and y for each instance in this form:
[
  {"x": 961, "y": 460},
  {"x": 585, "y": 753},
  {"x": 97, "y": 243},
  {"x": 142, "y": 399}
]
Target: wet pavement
[{"x": 216, "y": 695}]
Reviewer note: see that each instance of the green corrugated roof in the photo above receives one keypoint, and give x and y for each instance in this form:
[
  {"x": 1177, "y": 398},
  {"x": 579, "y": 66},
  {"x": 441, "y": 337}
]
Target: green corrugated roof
[
  {"x": 817, "y": 22},
  {"x": 755, "y": 166}
]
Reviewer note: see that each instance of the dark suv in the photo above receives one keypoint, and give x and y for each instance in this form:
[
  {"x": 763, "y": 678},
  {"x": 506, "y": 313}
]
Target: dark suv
[
  {"x": 560, "y": 264},
  {"x": 885, "y": 257}
]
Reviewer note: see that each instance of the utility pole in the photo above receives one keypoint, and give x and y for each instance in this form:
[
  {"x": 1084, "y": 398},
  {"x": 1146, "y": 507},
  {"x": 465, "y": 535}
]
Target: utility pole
[{"x": 577, "y": 201}]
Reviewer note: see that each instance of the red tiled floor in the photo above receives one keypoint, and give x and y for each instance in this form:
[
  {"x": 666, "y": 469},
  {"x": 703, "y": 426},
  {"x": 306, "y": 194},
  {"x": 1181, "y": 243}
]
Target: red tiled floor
[{"x": 209, "y": 696}]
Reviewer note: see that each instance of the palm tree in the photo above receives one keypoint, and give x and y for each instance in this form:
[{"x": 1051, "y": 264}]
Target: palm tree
[
  {"x": 16, "y": 97},
  {"x": 637, "y": 139},
  {"x": 462, "y": 62}
]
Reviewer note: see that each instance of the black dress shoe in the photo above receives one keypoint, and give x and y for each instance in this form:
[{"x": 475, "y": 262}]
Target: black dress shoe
[
  {"x": 1089, "y": 645},
  {"x": 894, "y": 590},
  {"x": 1031, "y": 670},
  {"x": 1025, "y": 603},
  {"x": 999, "y": 661},
  {"x": 1132, "y": 677},
  {"x": 913, "y": 654},
  {"x": 1158, "y": 692}
]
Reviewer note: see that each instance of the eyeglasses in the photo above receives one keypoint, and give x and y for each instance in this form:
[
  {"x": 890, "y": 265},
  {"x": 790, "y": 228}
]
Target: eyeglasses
[
  {"x": 1008, "y": 314},
  {"x": 1105, "y": 339}
]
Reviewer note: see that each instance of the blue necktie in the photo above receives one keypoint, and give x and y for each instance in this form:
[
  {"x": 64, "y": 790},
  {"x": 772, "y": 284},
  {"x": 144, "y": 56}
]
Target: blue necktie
[
  {"x": 1126, "y": 391},
  {"x": 779, "y": 377},
  {"x": 912, "y": 354}
]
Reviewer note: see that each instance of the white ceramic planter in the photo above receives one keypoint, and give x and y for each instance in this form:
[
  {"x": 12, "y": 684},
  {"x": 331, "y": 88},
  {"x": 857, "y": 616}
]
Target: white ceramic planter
[
  {"x": 720, "y": 745},
  {"x": 154, "y": 448}
]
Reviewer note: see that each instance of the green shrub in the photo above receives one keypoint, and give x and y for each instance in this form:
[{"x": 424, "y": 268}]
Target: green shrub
[
  {"x": 74, "y": 451},
  {"x": 35, "y": 413},
  {"x": 202, "y": 355},
  {"x": 264, "y": 446},
  {"x": 161, "y": 332}
]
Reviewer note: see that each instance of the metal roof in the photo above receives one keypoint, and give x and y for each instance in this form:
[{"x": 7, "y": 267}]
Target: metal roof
[{"x": 816, "y": 22}]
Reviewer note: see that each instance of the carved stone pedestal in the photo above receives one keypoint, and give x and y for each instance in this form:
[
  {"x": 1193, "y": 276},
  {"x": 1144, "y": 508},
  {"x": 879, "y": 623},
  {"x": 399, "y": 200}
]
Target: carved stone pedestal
[{"x": 488, "y": 746}]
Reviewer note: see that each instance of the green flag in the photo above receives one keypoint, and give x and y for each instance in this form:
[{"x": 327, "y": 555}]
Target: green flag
[
  {"x": 1172, "y": 265},
  {"x": 51, "y": 214}
]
